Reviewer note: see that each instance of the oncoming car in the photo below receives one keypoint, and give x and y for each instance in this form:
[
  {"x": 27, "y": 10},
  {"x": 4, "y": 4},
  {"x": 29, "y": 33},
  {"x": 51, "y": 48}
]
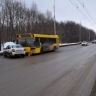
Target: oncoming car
[
  {"x": 13, "y": 50},
  {"x": 84, "y": 43},
  {"x": 94, "y": 42}
]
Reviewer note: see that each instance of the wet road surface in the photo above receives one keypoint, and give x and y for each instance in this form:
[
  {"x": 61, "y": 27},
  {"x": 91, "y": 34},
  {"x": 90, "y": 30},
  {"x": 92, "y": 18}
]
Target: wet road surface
[{"x": 70, "y": 71}]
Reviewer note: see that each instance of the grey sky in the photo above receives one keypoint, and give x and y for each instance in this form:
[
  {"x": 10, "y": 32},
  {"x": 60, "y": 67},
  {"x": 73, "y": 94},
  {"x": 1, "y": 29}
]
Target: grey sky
[{"x": 65, "y": 10}]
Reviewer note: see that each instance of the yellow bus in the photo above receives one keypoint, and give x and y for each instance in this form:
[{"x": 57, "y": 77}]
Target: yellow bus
[{"x": 38, "y": 43}]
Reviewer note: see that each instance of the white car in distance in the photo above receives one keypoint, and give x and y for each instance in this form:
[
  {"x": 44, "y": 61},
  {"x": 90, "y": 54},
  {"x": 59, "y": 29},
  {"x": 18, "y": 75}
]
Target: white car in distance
[{"x": 84, "y": 43}]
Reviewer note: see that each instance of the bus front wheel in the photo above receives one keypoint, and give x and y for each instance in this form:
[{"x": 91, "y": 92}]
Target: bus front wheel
[{"x": 54, "y": 49}]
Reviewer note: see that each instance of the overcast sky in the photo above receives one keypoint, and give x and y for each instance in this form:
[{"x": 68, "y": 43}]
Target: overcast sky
[{"x": 83, "y": 11}]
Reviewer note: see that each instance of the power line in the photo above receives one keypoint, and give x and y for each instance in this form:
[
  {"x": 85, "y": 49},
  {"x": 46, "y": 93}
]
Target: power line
[
  {"x": 83, "y": 5},
  {"x": 81, "y": 2},
  {"x": 75, "y": 4}
]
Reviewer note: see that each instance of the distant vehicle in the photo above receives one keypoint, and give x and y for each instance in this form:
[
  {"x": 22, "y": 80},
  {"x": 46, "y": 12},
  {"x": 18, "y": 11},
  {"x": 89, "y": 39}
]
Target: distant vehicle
[
  {"x": 12, "y": 49},
  {"x": 94, "y": 42},
  {"x": 38, "y": 43},
  {"x": 84, "y": 43}
]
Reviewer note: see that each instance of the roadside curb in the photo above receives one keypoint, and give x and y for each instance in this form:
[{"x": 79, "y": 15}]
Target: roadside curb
[{"x": 70, "y": 44}]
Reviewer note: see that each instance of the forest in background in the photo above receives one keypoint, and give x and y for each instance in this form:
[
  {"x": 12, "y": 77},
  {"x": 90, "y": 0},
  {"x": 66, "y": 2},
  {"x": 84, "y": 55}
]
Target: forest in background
[{"x": 17, "y": 18}]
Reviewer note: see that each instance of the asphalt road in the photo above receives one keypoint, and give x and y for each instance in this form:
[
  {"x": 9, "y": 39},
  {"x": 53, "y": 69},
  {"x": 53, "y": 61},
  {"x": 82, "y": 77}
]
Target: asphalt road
[{"x": 70, "y": 71}]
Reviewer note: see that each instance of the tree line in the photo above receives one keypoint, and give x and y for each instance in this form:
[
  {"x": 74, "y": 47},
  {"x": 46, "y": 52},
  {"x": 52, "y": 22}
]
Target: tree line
[{"x": 17, "y": 18}]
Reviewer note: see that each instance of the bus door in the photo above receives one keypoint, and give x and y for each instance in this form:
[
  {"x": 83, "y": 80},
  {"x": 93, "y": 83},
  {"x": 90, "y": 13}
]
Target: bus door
[{"x": 37, "y": 45}]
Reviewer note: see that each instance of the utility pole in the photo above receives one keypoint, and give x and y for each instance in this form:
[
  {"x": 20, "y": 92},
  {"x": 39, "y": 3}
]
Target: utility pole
[
  {"x": 0, "y": 25},
  {"x": 0, "y": 33},
  {"x": 54, "y": 20},
  {"x": 94, "y": 35},
  {"x": 80, "y": 31},
  {"x": 89, "y": 35}
]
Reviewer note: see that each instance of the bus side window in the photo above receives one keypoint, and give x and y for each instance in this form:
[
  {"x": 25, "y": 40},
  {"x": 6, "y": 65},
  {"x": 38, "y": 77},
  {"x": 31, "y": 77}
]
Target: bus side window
[
  {"x": 37, "y": 42},
  {"x": 41, "y": 41},
  {"x": 52, "y": 40}
]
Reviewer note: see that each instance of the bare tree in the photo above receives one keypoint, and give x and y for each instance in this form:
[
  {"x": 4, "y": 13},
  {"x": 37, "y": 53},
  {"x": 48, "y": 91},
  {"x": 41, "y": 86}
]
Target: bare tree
[{"x": 17, "y": 18}]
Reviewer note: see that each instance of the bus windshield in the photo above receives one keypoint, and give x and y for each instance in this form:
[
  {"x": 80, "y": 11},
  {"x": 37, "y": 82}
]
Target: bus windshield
[{"x": 26, "y": 42}]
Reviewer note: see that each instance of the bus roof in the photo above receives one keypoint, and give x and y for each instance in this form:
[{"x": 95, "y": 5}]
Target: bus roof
[
  {"x": 28, "y": 35},
  {"x": 46, "y": 36}
]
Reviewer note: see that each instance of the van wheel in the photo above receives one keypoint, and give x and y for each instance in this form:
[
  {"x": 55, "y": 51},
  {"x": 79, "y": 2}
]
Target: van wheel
[
  {"x": 9, "y": 55},
  {"x": 4, "y": 54},
  {"x": 23, "y": 55}
]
